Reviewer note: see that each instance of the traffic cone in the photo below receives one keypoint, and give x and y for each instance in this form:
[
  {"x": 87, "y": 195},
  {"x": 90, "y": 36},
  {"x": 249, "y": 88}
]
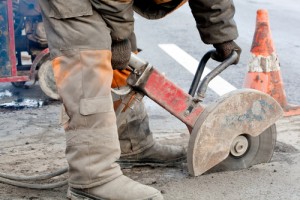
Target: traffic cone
[{"x": 263, "y": 68}]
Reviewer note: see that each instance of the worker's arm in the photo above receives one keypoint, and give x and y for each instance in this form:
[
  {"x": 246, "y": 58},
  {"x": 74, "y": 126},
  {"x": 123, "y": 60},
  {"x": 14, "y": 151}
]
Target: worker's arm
[{"x": 214, "y": 19}]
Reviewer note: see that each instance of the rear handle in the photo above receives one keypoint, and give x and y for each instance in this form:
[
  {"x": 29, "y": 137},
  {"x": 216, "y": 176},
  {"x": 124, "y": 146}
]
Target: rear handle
[{"x": 215, "y": 72}]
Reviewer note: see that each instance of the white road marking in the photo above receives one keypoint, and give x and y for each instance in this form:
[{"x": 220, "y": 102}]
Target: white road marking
[{"x": 218, "y": 84}]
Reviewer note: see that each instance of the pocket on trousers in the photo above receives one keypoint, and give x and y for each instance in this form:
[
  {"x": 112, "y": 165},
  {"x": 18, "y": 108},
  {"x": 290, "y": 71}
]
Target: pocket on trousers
[
  {"x": 63, "y": 9},
  {"x": 95, "y": 105}
]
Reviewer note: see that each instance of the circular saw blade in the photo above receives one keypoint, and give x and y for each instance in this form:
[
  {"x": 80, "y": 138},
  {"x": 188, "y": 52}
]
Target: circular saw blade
[
  {"x": 260, "y": 150},
  {"x": 230, "y": 127}
]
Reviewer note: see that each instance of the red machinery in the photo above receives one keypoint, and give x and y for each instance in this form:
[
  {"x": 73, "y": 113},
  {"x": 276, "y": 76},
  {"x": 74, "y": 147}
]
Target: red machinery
[
  {"x": 8, "y": 63},
  {"x": 21, "y": 31}
]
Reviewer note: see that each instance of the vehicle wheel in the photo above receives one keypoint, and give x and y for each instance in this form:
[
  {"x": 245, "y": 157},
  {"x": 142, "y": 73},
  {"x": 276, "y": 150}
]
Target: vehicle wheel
[{"x": 46, "y": 79}]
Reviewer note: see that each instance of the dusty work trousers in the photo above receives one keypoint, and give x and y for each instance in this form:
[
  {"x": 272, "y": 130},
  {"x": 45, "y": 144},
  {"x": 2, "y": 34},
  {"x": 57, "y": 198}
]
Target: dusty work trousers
[
  {"x": 134, "y": 131},
  {"x": 79, "y": 34}
]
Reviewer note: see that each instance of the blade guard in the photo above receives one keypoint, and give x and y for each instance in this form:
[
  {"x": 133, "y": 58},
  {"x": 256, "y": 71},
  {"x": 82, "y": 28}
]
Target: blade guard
[{"x": 243, "y": 111}]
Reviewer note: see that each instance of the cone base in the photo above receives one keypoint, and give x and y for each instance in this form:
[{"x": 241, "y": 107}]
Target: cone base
[
  {"x": 291, "y": 110},
  {"x": 271, "y": 83}
]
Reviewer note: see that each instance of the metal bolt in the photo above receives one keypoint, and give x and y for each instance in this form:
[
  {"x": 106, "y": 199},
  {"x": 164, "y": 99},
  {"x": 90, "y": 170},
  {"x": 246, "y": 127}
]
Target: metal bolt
[
  {"x": 187, "y": 112},
  {"x": 239, "y": 146}
]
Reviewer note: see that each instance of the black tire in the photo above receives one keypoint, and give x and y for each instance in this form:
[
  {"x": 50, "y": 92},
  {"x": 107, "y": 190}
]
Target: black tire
[{"x": 19, "y": 84}]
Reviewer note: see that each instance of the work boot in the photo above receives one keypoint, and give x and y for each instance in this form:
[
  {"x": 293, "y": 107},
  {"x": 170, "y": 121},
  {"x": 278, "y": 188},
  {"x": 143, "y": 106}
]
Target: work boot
[
  {"x": 83, "y": 80},
  {"x": 138, "y": 146},
  {"x": 94, "y": 173}
]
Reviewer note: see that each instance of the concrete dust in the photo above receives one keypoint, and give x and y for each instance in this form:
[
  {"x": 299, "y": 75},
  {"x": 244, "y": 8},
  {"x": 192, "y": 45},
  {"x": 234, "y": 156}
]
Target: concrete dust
[
  {"x": 33, "y": 143},
  {"x": 5, "y": 93}
]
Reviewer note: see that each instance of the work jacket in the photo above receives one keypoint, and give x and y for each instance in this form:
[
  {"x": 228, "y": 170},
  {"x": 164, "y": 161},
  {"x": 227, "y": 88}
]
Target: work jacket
[{"x": 214, "y": 18}]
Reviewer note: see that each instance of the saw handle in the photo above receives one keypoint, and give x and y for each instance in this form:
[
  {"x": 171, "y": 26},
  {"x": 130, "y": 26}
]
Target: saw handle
[{"x": 215, "y": 72}]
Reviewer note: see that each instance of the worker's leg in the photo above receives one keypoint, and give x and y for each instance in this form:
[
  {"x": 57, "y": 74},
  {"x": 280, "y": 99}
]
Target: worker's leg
[
  {"x": 80, "y": 44},
  {"x": 138, "y": 146}
]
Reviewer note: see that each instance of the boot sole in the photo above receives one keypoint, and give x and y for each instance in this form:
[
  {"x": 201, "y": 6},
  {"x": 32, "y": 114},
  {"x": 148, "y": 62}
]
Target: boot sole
[
  {"x": 126, "y": 164},
  {"x": 76, "y": 196}
]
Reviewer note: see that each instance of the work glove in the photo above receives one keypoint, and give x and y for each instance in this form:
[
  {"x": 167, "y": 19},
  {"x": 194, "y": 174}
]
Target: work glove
[
  {"x": 121, "y": 51},
  {"x": 223, "y": 51}
]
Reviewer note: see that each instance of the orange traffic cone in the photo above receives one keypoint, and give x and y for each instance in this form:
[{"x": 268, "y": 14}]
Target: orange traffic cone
[{"x": 264, "y": 69}]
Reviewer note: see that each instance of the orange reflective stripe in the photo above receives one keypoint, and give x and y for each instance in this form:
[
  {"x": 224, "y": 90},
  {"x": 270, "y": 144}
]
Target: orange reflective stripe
[{"x": 56, "y": 70}]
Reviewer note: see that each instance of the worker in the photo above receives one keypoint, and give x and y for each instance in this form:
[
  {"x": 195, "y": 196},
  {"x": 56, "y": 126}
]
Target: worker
[{"x": 87, "y": 39}]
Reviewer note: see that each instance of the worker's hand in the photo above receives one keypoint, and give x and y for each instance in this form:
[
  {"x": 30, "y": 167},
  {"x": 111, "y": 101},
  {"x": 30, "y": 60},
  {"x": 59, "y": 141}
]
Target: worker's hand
[
  {"x": 121, "y": 51},
  {"x": 223, "y": 51}
]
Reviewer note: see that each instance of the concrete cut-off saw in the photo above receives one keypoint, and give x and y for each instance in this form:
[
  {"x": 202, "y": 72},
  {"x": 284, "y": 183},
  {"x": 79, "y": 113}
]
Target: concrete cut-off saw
[{"x": 235, "y": 132}]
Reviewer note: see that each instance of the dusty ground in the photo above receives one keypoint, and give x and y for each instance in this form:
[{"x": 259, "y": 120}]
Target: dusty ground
[{"x": 32, "y": 143}]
